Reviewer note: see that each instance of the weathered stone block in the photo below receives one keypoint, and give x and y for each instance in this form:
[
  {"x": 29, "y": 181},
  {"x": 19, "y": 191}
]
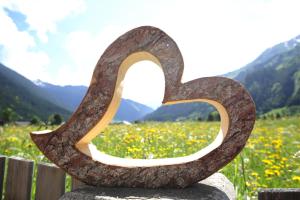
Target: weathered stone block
[{"x": 216, "y": 187}]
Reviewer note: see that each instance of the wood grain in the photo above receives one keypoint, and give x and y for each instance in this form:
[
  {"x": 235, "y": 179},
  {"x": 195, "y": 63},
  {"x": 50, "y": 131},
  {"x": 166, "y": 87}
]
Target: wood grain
[
  {"x": 18, "y": 179},
  {"x": 50, "y": 182},
  {"x": 279, "y": 194},
  {"x": 2, "y": 170},
  {"x": 69, "y": 146}
]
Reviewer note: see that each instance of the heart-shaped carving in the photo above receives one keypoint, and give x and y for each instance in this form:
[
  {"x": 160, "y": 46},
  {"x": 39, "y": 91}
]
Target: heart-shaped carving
[{"x": 69, "y": 146}]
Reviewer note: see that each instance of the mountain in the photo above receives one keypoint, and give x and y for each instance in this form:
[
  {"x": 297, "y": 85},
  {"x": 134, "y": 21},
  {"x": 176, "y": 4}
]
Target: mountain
[
  {"x": 273, "y": 80},
  {"x": 278, "y": 49},
  {"x": 69, "y": 97},
  {"x": 24, "y": 97},
  {"x": 130, "y": 111},
  {"x": 42, "y": 99},
  {"x": 276, "y": 83},
  {"x": 181, "y": 111}
]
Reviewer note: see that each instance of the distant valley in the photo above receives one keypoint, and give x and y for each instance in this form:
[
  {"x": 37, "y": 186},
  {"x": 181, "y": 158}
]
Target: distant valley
[
  {"x": 70, "y": 97},
  {"x": 273, "y": 79},
  {"x": 29, "y": 99},
  {"x": 25, "y": 98}
]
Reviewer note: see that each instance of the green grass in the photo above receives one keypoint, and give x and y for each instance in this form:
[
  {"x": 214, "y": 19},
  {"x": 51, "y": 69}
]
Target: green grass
[
  {"x": 270, "y": 159},
  {"x": 283, "y": 112}
]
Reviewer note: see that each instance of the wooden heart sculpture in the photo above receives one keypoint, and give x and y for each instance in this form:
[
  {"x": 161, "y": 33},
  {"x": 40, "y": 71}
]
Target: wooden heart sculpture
[{"x": 70, "y": 146}]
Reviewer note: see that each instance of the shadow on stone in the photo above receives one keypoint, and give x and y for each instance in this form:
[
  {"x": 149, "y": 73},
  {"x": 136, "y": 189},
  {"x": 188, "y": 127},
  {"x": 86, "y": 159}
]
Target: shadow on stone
[{"x": 215, "y": 187}]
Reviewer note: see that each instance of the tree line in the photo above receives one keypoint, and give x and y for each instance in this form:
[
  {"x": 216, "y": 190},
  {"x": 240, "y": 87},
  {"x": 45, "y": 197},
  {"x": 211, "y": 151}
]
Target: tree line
[{"x": 8, "y": 115}]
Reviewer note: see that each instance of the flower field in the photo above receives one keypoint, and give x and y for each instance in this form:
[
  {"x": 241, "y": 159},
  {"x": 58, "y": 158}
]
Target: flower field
[{"x": 270, "y": 159}]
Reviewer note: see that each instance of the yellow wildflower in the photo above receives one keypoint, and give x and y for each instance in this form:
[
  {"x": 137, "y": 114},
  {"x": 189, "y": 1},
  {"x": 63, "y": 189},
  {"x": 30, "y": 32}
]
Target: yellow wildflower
[
  {"x": 276, "y": 172},
  {"x": 276, "y": 167},
  {"x": 296, "y": 178},
  {"x": 268, "y": 162},
  {"x": 269, "y": 172},
  {"x": 12, "y": 139},
  {"x": 248, "y": 184},
  {"x": 284, "y": 159},
  {"x": 254, "y": 174},
  {"x": 277, "y": 143}
]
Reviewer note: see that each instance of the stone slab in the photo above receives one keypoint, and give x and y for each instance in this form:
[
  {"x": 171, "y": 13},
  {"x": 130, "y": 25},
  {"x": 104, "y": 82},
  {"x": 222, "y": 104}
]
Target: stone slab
[{"x": 216, "y": 187}]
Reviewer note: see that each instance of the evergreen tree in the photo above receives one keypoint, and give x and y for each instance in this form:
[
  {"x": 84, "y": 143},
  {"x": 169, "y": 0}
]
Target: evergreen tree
[
  {"x": 55, "y": 119},
  {"x": 35, "y": 120},
  {"x": 9, "y": 115}
]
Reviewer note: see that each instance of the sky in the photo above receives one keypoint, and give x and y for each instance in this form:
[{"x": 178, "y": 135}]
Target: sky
[{"x": 60, "y": 41}]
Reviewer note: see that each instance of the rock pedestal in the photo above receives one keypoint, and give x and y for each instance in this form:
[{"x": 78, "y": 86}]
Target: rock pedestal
[{"x": 216, "y": 187}]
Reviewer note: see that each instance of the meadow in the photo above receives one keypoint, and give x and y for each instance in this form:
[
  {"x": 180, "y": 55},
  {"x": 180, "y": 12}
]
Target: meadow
[{"x": 270, "y": 159}]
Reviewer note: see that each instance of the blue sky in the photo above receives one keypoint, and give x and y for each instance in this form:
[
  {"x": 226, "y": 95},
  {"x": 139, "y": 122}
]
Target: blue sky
[{"x": 60, "y": 41}]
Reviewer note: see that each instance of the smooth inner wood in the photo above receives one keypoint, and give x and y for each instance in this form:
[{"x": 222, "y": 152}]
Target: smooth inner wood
[{"x": 86, "y": 147}]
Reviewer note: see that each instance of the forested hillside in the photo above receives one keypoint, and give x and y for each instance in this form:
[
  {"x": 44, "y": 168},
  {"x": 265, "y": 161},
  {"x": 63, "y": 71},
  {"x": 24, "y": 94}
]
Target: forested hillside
[
  {"x": 24, "y": 98},
  {"x": 273, "y": 79}
]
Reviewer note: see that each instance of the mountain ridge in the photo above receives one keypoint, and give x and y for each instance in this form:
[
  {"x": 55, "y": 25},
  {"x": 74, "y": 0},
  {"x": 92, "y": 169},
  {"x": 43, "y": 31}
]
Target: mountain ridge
[
  {"x": 263, "y": 57},
  {"x": 25, "y": 98},
  {"x": 70, "y": 97},
  {"x": 273, "y": 80},
  {"x": 37, "y": 98},
  {"x": 248, "y": 75}
]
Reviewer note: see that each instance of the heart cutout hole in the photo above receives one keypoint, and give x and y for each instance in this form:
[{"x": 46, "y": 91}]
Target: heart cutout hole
[
  {"x": 86, "y": 147},
  {"x": 156, "y": 140}
]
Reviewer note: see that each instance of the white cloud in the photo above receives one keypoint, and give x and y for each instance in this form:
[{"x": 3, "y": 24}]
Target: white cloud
[
  {"x": 16, "y": 51},
  {"x": 214, "y": 36},
  {"x": 20, "y": 50},
  {"x": 43, "y": 15},
  {"x": 85, "y": 49}
]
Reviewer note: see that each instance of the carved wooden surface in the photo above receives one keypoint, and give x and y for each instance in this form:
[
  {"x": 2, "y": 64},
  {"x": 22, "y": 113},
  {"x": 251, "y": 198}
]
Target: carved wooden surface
[{"x": 70, "y": 145}]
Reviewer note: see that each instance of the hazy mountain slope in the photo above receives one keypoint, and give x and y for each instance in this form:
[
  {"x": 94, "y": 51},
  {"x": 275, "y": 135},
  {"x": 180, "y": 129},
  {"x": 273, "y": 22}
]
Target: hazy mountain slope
[
  {"x": 278, "y": 49},
  {"x": 70, "y": 97},
  {"x": 276, "y": 83},
  {"x": 25, "y": 98},
  {"x": 273, "y": 79},
  {"x": 182, "y": 111},
  {"x": 130, "y": 111}
]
